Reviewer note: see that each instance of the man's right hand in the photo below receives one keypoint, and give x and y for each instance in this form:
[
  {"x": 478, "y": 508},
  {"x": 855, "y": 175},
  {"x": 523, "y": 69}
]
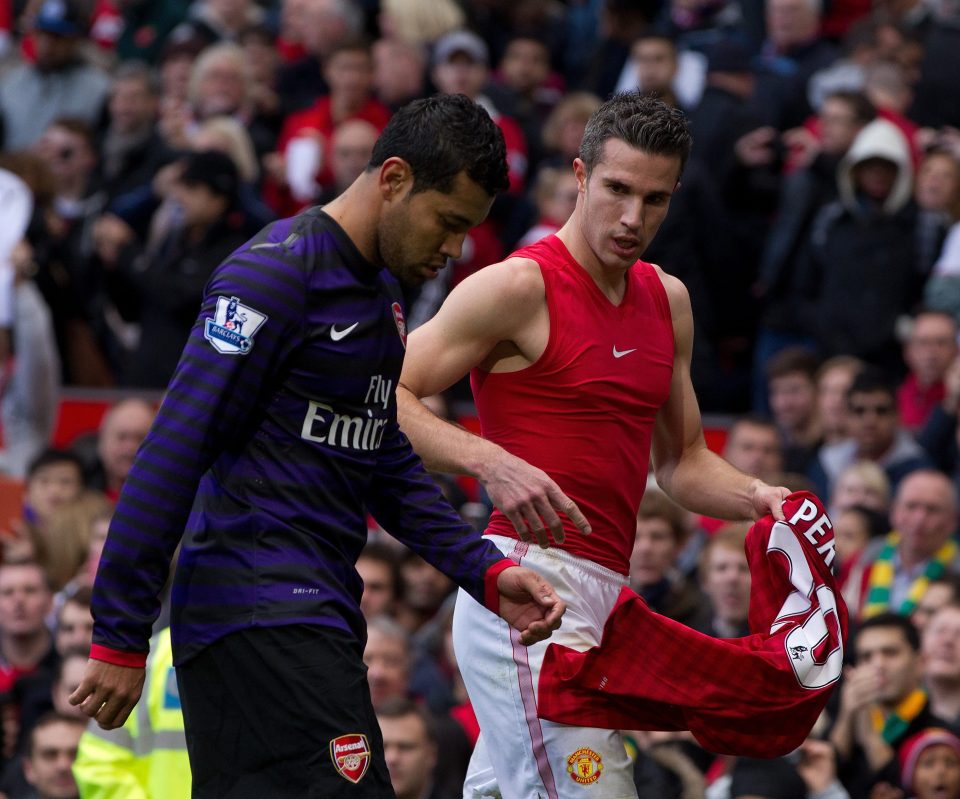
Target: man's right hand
[
  {"x": 530, "y": 499},
  {"x": 108, "y": 693},
  {"x": 860, "y": 689}
]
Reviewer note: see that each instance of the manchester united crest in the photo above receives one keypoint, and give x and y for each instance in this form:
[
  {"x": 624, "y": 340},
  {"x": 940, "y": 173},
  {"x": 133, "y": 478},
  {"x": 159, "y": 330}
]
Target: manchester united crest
[
  {"x": 351, "y": 756},
  {"x": 584, "y": 766}
]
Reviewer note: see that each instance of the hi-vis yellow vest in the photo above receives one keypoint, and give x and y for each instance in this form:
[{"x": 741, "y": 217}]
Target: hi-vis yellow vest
[{"x": 146, "y": 758}]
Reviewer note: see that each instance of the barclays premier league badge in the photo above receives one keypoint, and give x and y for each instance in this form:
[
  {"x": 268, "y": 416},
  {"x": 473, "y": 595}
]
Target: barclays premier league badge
[
  {"x": 351, "y": 756},
  {"x": 232, "y": 327}
]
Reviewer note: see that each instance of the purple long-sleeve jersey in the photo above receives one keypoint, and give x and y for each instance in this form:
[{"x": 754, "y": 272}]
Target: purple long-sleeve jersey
[{"x": 277, "y": 435}]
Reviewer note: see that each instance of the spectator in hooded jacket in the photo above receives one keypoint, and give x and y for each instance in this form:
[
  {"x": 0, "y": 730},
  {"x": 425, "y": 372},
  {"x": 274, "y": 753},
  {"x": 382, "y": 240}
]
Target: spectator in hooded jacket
[{"x": 858, "y": 273}]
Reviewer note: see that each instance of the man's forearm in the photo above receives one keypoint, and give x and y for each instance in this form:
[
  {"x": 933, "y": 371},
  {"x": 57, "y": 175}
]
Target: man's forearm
[
  {"x": 705, "y": 483},
  {"x": 441, "y": 445}
]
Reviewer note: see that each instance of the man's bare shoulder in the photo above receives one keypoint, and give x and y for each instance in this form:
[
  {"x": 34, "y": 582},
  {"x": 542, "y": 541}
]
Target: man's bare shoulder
[
  {"x": 517, "y": 275},
  {"x": 677, "y": 293},
  {"x": 513, "y": 283}
]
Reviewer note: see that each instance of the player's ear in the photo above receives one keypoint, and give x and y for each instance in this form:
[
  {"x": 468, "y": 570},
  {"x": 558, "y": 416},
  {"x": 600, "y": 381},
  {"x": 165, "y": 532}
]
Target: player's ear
[
  {"x": 580, "y": 171},
  {"x": 395, "y": 178}
]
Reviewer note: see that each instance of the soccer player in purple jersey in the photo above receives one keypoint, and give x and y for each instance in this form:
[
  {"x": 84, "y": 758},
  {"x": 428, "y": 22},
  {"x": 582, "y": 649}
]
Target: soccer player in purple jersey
[{"x": 274, "y": 441}]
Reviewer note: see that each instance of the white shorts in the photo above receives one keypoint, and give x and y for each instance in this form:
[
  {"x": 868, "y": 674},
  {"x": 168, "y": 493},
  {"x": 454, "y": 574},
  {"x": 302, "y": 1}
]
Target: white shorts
[{"x": 520, "y": 756}]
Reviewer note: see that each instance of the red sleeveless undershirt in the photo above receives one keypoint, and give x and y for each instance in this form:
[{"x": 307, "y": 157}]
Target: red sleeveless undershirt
[{"x": 584, "y": 411}]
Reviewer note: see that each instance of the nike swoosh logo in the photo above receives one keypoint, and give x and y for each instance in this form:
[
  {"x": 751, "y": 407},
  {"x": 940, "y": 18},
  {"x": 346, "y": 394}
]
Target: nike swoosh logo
[
  {"x": 619, "y": 354},
  {"x": 336, "y": 335}
]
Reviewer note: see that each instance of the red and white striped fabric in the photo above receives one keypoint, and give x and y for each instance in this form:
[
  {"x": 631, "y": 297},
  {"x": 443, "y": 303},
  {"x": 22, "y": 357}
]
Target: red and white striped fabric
[{"x": 756, "y": 696}]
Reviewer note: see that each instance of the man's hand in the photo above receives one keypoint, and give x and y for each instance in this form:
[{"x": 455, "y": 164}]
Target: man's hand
[
  {"x": 884, "y": 790},
  {"x": 108, "y": 693},
  {"x": 768, "y": 499},
  {"x": 818, "y": 765},
  {"x": 860, "y": 689},
  {"x": 530, "y": 499},
  {"x": 529, "y": 604}
]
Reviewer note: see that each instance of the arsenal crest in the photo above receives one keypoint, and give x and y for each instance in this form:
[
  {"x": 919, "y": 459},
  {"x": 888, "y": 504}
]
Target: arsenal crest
[
  {"x": 401, "y": 322},
  {"x": 351, "y": 756}
]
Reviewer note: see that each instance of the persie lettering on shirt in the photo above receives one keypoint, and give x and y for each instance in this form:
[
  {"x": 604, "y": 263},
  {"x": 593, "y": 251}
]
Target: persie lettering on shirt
[{"x": 807, "y": 512}]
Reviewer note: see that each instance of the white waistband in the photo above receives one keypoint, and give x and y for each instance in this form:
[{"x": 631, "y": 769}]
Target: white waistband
[{"x": 515, "y": 549}]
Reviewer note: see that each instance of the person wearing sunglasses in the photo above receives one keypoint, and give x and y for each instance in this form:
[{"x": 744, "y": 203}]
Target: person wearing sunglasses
[{"x": 875, "y": 433}]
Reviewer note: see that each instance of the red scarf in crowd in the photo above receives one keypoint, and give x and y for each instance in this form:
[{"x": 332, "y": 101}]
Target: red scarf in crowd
[{"x": 756, "y": 696}]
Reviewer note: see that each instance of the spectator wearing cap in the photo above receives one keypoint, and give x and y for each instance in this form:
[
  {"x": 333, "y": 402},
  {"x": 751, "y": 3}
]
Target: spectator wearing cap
[
  {"x": 930, "y": 765},
  {"x": 461, "y": 65},
  {"x": 58, "y": 84},
  {"x": 161, "y": 286}
]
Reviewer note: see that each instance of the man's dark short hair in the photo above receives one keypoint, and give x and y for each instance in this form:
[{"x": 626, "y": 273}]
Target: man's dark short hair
[
  {"x": 872, "y": 379},
  {"x": 82, "y": 596},
  {"x": 46, "y": 720},
  {"x": 793, "y": 360},
  {"x": 894, "y": 621},
  {"x": 352, "y": 44},
  {"x": 442, "y": 136},
  {"x": 751, "y": 420},
  {"x": 400, "y": 706},
  {"x": 858, "y": 102},
  {"x": 54, "y": 457},
  {"x": 381, "y": 552},
  {"x": 642, "y": 121}
]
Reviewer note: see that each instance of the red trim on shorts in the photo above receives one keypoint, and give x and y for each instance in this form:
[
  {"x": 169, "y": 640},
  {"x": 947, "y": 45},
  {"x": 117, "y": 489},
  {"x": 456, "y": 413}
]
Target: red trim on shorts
[
  {"x": 521, "y": 659},
  {"x": 132, "y": 660},
  {"x": 491, "y": 594}
]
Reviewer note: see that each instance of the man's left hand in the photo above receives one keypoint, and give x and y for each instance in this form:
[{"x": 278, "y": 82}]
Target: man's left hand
[
  {"x": 768, "y": 499},
  {"x": 529, "y": 604}
]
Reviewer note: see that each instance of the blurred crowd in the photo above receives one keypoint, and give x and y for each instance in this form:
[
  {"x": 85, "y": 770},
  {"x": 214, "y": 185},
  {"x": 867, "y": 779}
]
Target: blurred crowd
[{"x": 816, "y": 228}]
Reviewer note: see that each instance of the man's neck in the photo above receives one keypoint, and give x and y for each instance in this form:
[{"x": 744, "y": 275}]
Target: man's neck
[
  {"x": 944, "y": 696},
  {"x": 352, "y": 211},
  {"x": 806, "y": 435},
  {"x": 611, "y": 281},
  {"x": 342, "y": 108},
  {"x": 25, "y": 651},
  {"x": 909, "y": 559},
  {"x": 876, "y": 455},
  {"x": 423, "y": 793}
]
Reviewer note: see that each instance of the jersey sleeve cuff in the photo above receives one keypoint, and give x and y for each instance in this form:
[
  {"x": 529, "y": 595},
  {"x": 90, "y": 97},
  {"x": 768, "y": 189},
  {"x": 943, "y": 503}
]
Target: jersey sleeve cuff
[
  {"x": 491, "y": 595},
  {"x": 133, "y": 660}
]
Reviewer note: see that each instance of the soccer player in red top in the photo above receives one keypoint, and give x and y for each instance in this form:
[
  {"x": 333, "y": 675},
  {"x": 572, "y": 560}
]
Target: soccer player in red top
[{"x": 580, "y": 359}]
